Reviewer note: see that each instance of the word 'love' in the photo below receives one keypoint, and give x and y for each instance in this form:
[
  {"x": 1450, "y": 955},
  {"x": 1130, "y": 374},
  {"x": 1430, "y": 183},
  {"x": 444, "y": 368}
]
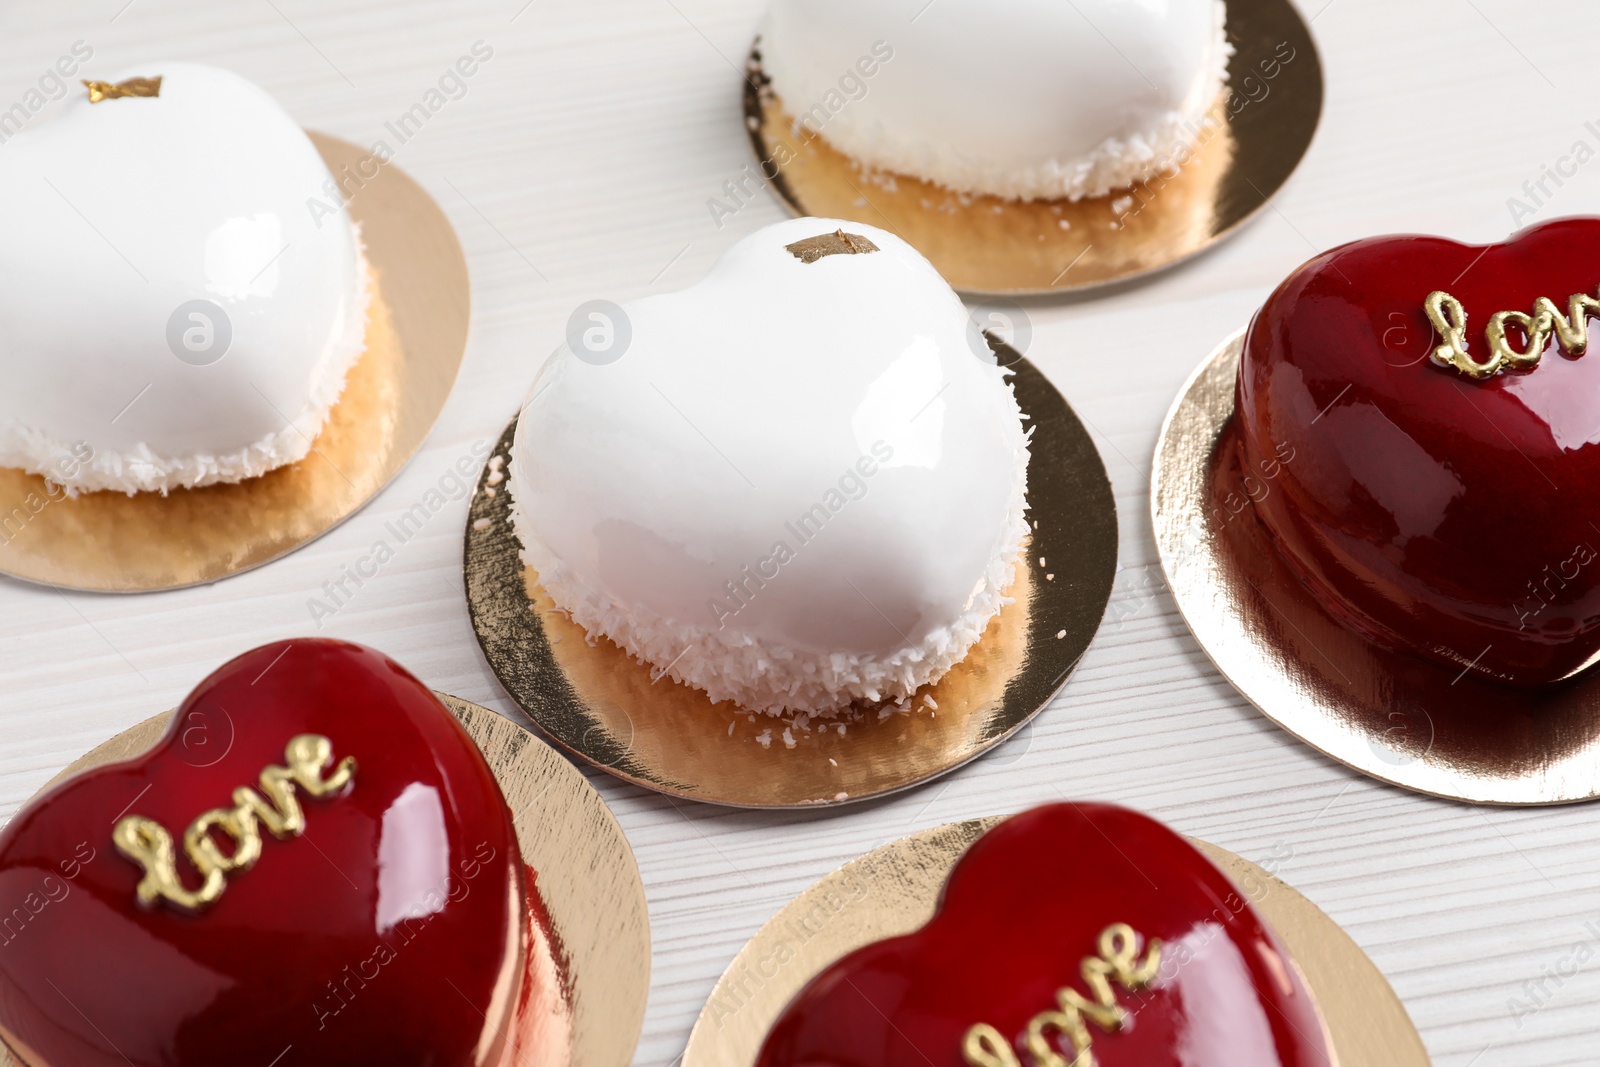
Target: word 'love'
[
  {"x": 984, "y": 1046},
  {"x": 1450, "y": 319},
  {"x": 147, "y": 843}
]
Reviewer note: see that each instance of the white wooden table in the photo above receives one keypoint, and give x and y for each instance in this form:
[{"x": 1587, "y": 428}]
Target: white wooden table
[{"x": 579, "y": 164}]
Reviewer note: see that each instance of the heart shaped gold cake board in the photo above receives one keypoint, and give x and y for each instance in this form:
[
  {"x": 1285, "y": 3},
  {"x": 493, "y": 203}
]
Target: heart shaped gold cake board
[
  {"x": 109, "y": 542},
  {"x": 599, "y": 703},
  {"x": 1253, "y": 140},
  {"x": 594, "y": 945},
  {"x": 1385, "y": 713},
  {"x": 893, "y": 890}
]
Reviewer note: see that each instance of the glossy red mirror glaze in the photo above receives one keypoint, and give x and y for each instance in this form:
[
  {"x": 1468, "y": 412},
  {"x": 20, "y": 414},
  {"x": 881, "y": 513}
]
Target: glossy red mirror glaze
[
  {"x": 389, "y": 932},
  {"x": 1437, "y": 514},
  {"x": 1020, "y": 913}
]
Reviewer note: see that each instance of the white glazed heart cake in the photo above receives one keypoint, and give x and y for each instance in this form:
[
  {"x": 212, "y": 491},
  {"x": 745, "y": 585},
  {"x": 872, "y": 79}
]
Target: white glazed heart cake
[
  {"x": 173, "y": 312},
  {"x": 798, "y": 487},
  {"x": 1022, "y": 99}
]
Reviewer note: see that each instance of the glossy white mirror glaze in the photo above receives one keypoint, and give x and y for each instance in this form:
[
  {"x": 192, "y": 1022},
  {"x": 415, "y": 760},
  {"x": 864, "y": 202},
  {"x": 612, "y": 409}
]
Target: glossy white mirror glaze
[
  {"x": 1036, "y": 99},
  {"x": 125, "y": 215},
  {"x": 800, "y": 485}
]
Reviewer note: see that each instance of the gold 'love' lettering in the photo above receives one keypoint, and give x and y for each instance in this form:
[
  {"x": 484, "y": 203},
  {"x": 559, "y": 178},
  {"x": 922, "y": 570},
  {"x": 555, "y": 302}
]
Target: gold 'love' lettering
[
  {"x": 985, "y": 1046},
  {"x": 1449, "y": 318},
  {"x": 147, "y": 843}
]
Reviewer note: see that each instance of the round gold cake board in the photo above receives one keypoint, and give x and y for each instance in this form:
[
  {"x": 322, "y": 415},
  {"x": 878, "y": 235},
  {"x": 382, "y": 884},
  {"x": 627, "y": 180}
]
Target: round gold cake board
[
  {"x": 1387, "y": 714},
  {"x": 109, "y": 542},
  {"x": 597, "y": 949},
  {"x": 1251, "y": 142},
  {"x": 619, "y": 714},
  {"x": 893, "y": 890}
]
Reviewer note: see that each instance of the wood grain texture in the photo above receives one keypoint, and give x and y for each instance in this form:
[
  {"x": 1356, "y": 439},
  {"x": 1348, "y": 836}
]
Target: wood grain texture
[{"x": 579, "y": 164}]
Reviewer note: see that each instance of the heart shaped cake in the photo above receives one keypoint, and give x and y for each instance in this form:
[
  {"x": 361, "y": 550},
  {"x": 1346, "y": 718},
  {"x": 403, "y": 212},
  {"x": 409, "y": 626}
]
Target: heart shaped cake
[
  {"x": 1428, "y": 405},
  {"x": 181, "y": 289},
  {"x": 1078, "y": 934},
  {"x": 1029, "y": 99},
  {"x": 797, "y": 484},
  {"x": 314, "y": 863}
]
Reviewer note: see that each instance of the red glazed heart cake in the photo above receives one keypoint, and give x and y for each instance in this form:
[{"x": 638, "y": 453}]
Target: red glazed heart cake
[
  {"x": 1076, "y": 934},
  {"x": 1442, "y": 408},
  {"x": 314, "y": 863}
]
